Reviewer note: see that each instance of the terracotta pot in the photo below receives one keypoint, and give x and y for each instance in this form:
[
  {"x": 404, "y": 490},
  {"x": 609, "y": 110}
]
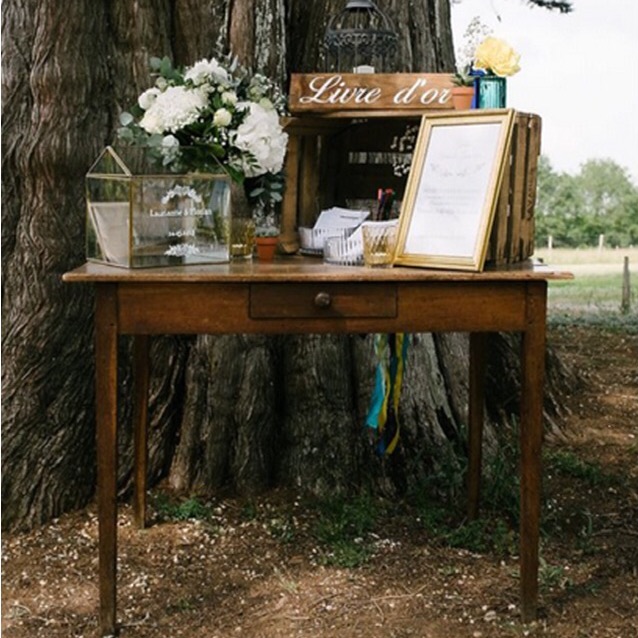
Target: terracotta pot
[
  {"x": 266, "y": 247},
  {"x": 462, "y": 97}
]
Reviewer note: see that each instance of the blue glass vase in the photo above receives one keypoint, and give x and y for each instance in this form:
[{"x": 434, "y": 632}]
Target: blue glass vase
[{"x": 492, "y": 92}]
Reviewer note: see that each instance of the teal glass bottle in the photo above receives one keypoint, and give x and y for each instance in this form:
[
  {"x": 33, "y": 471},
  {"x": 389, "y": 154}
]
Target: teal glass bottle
[{"x": 492, "y": 92}]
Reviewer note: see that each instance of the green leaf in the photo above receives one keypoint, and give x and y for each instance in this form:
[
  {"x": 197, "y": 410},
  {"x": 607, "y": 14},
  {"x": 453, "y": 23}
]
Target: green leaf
[
  {"x": 235, "y": 175},
  {"x": 126, "y": 118},
  {"x": 276, "y": 197},
  {"x": 155, "y": 139},
  {"x": 155, "y": 63},
  {"x": 125, "y": 134},
  {"x": 257, "y": 192},
  {"x": 170, "y": 73},
  {"x": 217, "y": 150}
]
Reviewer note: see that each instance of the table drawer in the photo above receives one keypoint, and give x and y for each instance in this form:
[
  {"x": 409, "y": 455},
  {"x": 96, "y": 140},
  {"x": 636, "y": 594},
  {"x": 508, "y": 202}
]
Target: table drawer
[{"x": 290, "y": 301}]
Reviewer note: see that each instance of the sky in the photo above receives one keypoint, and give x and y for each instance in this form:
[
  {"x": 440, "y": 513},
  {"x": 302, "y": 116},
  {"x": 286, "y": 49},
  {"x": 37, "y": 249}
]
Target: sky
[{"x": 579, "y": 72}]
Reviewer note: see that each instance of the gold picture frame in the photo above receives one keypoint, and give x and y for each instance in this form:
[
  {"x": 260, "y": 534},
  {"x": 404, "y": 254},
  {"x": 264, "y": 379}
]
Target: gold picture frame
[{"x": 452, "y": 189}]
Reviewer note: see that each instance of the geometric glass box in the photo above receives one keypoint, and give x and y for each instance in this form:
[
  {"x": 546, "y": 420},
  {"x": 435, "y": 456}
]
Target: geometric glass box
[{"x": 139, "y": 213}]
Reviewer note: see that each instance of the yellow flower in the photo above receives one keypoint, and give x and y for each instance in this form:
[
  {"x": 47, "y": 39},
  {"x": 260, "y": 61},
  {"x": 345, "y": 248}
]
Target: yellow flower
[{"x": 496, "y": 56}]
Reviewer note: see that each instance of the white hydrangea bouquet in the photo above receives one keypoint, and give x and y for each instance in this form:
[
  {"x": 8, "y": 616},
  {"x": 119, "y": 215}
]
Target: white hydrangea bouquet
[{"x": 213, "y": 114}]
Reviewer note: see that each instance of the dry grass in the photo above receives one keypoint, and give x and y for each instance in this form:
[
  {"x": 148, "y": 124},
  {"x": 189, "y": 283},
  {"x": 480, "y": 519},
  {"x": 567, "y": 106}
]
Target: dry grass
[{"x": 577, "y": 256}]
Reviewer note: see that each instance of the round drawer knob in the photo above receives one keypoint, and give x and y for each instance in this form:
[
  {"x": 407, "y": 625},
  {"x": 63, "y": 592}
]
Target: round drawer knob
[{"x": 322, "y": 300}]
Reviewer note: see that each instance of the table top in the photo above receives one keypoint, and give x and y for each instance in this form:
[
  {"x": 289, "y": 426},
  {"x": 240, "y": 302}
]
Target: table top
[{"x": 304, "y": 269}]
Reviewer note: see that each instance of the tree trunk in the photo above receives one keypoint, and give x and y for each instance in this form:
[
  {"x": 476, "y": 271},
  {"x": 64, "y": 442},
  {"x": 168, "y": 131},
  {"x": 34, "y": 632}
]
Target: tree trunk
[
  {"x": 54, "y": 124},
  {"x": 67, "y": 71},
  {"x": 246, "y": 411},
  {"x": 425, "y": 34}
]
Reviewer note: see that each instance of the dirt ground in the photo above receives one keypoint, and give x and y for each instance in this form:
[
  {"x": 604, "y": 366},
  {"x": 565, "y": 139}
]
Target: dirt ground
[{"x": 257, "y": 569}]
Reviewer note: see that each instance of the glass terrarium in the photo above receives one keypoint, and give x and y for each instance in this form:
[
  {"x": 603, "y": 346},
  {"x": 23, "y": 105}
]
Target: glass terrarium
[{"x": 140, "y": 213}]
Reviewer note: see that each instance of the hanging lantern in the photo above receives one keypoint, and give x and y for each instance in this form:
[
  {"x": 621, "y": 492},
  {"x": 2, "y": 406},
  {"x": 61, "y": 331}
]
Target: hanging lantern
[{"x": 360, "y": 39}]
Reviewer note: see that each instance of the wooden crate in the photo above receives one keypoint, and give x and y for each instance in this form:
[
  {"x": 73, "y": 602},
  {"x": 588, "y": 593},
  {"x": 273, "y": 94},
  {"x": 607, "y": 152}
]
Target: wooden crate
[
  {"x": 512, "y": 237},
  {"x": 342, "y": 160}
]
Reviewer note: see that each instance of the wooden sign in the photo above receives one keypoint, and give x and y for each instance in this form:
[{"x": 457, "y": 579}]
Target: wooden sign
[{"x": 325, "y": 92}]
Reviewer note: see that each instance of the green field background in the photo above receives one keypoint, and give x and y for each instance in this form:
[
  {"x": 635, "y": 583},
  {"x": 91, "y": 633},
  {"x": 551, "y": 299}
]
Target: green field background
[{"x": 598, "y": 280}]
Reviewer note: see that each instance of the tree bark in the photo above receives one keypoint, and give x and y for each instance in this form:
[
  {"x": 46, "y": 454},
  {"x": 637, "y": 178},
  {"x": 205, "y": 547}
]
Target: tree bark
[
  {"x": 54, "y": 125},
  {"x": 313, "y": 408},
  {"x": 425, "y": 34},
  {"x": 245, "y": 411}
]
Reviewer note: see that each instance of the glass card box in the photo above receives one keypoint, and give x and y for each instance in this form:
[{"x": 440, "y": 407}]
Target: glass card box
[{"x": 140, "y": 214}]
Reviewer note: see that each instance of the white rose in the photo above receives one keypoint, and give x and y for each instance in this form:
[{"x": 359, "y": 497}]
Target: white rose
[
  {"x": 222, "y": 117},
  {"x": 205, "y": 70},
  {"x": 229, "y": 97},
  {"x": 147, "y": 98},
  {"x": 261, "y": 135},
  {"x": 206, "y": 88}
]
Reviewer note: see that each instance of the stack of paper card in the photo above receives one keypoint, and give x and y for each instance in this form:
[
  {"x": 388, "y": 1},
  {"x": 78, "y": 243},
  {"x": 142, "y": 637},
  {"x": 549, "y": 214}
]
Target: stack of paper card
[{"x": 332, "y": 222}]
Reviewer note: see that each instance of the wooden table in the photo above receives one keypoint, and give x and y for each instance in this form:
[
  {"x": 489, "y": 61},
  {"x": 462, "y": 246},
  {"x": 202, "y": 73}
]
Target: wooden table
[{"x": 302, "y": 295}]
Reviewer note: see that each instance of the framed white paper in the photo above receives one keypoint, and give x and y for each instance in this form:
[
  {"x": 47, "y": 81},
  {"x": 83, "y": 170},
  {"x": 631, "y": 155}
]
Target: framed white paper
[{"x": 452, "y": 189}]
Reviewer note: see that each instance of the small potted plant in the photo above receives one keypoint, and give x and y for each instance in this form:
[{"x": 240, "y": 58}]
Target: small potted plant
[
  {"x": 266, "y": 232},
  {"x": 463, "y": 91}
]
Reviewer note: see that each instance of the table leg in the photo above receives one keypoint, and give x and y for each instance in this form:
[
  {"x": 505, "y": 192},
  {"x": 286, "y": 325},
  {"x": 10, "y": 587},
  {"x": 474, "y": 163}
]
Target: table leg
[
  {"x": 478, "y": 360},
  {"x": 106, "y": 423},
  {"x": 140, "y": 419},
  {"x": 531, "y": 437}
]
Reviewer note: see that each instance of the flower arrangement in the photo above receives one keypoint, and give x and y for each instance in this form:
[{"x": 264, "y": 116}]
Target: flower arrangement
[
  {"x": 472, "y": 36},
  {"x": 496, "y": 57},
  {"x": 482, "y": 51},
  {"x": 483, "y": 63},
  {"x": 209, "y": 115}
]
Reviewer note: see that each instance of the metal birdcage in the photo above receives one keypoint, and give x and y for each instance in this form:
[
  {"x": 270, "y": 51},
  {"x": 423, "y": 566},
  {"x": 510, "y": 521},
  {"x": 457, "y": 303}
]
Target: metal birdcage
[{"x": 360, "y": 38}]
